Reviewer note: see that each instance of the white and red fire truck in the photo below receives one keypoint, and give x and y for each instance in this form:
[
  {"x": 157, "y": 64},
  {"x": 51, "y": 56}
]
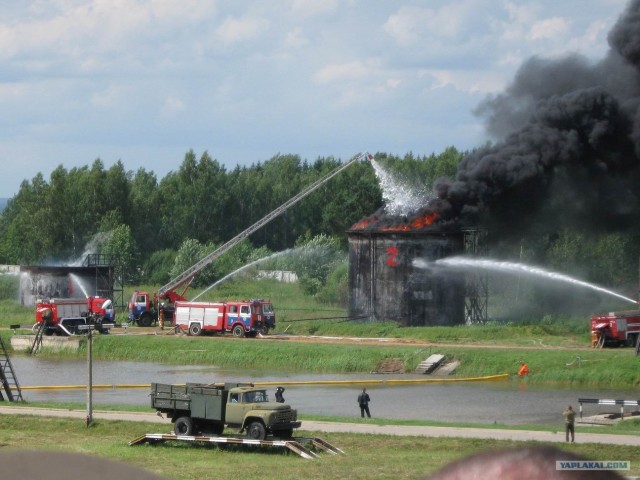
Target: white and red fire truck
[
  {"x": 70, "y": 316},
  {"x": 615, "y": 329},
  {"x": 239, "y": 318}
]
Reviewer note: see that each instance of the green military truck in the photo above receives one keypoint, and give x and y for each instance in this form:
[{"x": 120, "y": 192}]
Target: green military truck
[{"x": 209, "y": 408}]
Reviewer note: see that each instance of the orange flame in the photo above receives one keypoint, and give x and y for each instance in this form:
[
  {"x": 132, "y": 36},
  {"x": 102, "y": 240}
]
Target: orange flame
[
  {"x": 364, "y": 223},
  {"x": 415, "y": 224}
]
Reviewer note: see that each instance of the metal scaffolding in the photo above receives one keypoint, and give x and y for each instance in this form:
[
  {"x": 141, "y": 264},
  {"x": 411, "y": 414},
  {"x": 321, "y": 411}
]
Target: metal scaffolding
[
  {"x": 477, "y": 285},
  {"x": 108, "y": 271}
]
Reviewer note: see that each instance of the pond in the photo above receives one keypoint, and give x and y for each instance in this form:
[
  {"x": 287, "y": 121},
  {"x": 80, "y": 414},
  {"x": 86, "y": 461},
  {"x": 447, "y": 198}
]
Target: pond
[{"x": 503, "y": 402}]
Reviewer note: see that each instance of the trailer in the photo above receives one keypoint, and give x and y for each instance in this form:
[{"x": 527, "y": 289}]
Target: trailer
[{"x": 306, "y": 447}]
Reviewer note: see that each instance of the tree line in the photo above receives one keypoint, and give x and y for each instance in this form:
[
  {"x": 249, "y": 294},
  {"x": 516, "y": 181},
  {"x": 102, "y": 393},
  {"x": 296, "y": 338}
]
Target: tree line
[
  {"x": 160, "y": 227},
  {"x": 146, "y": 220}
]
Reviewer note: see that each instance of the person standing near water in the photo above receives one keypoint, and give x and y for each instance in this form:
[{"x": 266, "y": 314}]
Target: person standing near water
[
  {"x": 363, "y": 401},
  {"x": 569, "y": 422}
]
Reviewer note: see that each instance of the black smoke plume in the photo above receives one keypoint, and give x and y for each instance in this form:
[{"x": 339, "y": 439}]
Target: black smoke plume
[{"x": 568, "y": 148}]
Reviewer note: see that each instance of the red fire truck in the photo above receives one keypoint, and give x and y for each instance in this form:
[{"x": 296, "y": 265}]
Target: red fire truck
[
  {"x": 615, "y": 329},
  {"x": 66, "y": 316},
  {"x": 239, "y": 318}
]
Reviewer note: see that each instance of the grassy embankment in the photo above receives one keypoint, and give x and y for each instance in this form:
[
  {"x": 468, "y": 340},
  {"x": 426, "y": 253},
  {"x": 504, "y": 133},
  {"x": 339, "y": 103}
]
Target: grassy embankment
[
  {"x": 556, "y": 350},
  {"x": 368, "y": 456}
]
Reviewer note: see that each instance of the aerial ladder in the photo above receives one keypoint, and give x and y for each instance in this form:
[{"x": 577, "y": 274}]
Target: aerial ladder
[{"x": 184, "y": 279}]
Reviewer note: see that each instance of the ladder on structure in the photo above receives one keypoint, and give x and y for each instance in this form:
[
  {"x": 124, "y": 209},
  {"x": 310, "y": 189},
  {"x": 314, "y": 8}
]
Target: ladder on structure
[{"x": 8, "y": 379}]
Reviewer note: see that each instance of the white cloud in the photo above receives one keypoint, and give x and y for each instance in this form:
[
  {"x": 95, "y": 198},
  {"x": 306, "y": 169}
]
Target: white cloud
[
  {"x": 172, "y": 106},
  {"x": 413, "y": 24},
  {"x": 235, "y": 30},
  {"x": 467, "y": 81},
  {"x": 296, "y": 39},
  {"x": 549, "y": 28},
  {"x": 342, "y": 72},
  {"x": 310, "y": 8}
]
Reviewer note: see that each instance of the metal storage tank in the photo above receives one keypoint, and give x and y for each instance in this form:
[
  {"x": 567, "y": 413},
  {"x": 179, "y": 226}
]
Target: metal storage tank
[{"x": 384, "y": 283}]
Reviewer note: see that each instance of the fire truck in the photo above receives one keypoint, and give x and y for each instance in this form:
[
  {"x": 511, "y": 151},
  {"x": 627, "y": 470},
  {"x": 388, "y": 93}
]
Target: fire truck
[
  {"x": 145, "y": 309},
  {"x": 68, "y": 316},
  {"x": 239, "y": 318},
  {"x": 615, "y": 329}
]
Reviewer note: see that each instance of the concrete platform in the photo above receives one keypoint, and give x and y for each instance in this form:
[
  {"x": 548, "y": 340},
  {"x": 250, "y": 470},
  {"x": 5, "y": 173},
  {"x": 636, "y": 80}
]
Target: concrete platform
[{"x": 23, "y": 343}]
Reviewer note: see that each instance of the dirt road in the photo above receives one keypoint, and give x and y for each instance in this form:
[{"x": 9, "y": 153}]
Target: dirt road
[{"x": 164, "y": 426}]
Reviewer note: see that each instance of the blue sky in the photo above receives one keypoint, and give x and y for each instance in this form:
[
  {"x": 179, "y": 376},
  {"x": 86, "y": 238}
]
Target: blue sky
[{"x": 144, "y": 81}]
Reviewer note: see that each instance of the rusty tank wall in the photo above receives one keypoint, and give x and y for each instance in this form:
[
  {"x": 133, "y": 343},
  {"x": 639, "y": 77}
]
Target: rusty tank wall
[{"x": 385, "y": 285}]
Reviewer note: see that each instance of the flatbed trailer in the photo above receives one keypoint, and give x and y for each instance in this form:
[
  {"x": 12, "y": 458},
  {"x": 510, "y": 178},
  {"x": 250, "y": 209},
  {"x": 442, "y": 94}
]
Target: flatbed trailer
[{"x": 306, "y": 447}]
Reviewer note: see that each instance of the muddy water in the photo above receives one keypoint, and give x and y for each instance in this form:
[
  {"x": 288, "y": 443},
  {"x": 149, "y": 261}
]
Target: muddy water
[{"x": 507, "y": 402}]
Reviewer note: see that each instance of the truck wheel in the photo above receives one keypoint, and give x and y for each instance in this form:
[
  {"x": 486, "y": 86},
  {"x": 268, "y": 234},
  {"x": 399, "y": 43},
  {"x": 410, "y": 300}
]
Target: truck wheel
[
  {"x": 195, "y": 329},
  {"x": 183, "y": 426},
  {"x": 145, "y": 320},
  {"x": 264, "y": 330},
  {"x": 256, "y": 431},
  {"x": 238, "y": 331}
]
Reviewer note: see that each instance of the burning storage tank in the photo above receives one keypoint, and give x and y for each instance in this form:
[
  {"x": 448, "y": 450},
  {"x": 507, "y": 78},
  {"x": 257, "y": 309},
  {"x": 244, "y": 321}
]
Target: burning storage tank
[{"x": 384, "y": 283}]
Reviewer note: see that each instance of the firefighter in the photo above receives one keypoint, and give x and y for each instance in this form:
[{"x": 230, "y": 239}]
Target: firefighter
[
  {"x": 524, "y": 370},
  {"x": 161, "y": 316},
  {"x": 279, "y": 397}
]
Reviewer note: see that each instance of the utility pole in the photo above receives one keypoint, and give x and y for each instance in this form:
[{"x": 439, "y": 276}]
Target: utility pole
[{"x": 89, "y": 418}]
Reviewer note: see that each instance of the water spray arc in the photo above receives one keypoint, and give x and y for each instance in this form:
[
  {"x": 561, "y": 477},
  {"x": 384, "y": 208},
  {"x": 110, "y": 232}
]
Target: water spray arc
[
  {"x": 511, "y": 267},
  {"x": 240, "y": 270},
  {"x": 78, "y": 281}
]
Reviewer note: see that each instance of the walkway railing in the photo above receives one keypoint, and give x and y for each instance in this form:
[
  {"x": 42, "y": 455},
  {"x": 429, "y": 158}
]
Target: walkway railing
[{"x": 603, "y": 401}]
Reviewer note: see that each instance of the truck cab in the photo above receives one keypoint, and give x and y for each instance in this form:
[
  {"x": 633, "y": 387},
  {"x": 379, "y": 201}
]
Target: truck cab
[
  {"x": 263, "y": 309},
  {"x": 141, "y": 309},
  {"x": 249, "y": 409}
]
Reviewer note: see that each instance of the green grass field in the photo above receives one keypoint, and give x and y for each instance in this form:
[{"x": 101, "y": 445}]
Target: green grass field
[{"x": 368, "y": 456}]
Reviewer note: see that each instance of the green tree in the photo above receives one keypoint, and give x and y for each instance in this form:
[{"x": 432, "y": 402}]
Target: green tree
[
  {"x": 157, "y": 268},
  {"x": 121, "y": 245},
  {"x": 314, "y": 259},
  {"x": 26, "y": 223}
]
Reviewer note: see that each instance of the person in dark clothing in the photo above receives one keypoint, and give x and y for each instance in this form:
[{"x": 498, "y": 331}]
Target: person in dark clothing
[
  {"x": 279, "y": 397},
  {"x": 569, "y": 423},
  {"x": 363, "y": 401}
]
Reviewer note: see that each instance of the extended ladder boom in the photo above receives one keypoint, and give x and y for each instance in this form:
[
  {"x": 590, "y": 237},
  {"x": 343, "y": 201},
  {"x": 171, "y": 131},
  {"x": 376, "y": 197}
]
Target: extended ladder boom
[{"x": 188, "y": 274}]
